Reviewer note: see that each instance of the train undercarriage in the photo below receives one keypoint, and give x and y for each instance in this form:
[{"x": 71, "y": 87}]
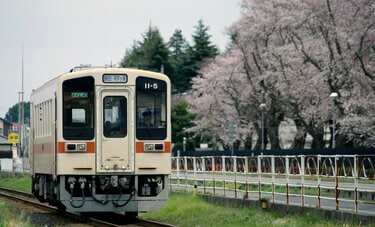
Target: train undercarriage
[{"x": 102, "y": 193}]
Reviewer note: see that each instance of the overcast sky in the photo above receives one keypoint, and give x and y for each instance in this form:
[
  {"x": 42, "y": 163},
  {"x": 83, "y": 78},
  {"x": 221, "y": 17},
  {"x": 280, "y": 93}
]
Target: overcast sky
[{"x": 60, "y": 34}]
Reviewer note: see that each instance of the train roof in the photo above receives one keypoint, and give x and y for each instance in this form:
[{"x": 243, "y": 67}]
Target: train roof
[{"x": 87, "y": 69}]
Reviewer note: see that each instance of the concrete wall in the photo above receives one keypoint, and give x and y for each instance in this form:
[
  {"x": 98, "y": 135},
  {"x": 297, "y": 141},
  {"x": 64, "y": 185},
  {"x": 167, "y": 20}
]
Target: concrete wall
[
  {"x": 6, "y": 165},
  {"x": 346, "y": 217}
]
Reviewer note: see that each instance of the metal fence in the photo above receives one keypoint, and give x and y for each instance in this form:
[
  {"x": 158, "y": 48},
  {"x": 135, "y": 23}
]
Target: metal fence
[{"x": 341, "y": 182}]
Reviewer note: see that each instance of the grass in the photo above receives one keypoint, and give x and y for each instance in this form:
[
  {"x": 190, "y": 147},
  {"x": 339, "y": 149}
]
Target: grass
[
  {"x": 185, "y": 210},
  {"x": 10, "y": 219},
  {"x": 197, "y": 212},
  {"x": 21, "y": 182}
]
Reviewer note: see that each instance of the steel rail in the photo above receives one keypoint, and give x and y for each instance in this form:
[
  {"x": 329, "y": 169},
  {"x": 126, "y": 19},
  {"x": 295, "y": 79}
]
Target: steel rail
[{"x": 32, "y": 201}]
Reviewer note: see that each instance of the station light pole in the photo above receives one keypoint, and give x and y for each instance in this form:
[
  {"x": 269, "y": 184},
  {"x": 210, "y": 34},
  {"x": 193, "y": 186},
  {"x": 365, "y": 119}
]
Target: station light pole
[
  {"x": 262, "y": 107},
  {"x": 333, "y": 96},
  {"x": 184, "y": 144}
]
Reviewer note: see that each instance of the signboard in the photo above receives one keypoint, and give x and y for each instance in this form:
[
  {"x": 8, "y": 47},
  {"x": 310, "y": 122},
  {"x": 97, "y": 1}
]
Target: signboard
[
  {"x": 13, "y": 138},
  {"x": 16, "y": 127}
]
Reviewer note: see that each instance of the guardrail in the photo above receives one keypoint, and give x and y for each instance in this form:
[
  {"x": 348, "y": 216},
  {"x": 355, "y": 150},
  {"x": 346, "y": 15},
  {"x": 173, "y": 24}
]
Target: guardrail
[{"x": 341, "y": 182}]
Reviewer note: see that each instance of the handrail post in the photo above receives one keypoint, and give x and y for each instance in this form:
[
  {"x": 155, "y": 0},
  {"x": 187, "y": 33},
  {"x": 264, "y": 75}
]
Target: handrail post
[
  {"x": 302, "y": 173},
  {"x": 319, "y": 179},
  {"x": 273, "y": 177},
  {"x": 235, "y": 175},
  {"x": 247, "y": 177},
  {"x": 204, "y": 174},
  {"x": 287, "y": 178},
  {"x": 178, "y": 172},
  {"x": 213, "y": 174},
  {"x": 195, "y": 169},
  {"x": 223, "y": 170},
  {"x": 337, "y": 182},
  {"x": 259, "y": 166},
  {"x": 186, "y": 169},
  {"x": 355, "y": 175}
]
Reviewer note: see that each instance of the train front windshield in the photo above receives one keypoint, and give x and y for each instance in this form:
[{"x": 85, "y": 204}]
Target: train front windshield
[
  {"x": 78, "y": 107},
  {"x": 151, "y": 109}
]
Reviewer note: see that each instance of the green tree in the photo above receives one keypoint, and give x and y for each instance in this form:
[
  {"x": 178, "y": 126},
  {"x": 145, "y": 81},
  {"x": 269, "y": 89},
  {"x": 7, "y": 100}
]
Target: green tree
[
  {"x": 12, "y": 114},
  {"x": 202, "y": 47},
  {"x": 178, "y": 46},
  {"x": 181, "y": 120},
  {"x": 150, "y": 54},
  {"x": 194, "y": 56}
]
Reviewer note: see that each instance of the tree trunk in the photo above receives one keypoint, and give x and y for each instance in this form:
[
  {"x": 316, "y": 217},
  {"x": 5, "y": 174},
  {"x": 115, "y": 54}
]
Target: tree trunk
[
  {"x": 258, "y": 144},
  {"x": 340, "y": 140},
  {"x": 343, "y": 141},
  {"x": 318, "y": 138},
  {"x": 300, "y": 138},
  {"x": 273, "y": 133},
  {"x": 274, "y": 118},
  {"x": 236, "y": 145},
  {"x": 248, "y": 142}
]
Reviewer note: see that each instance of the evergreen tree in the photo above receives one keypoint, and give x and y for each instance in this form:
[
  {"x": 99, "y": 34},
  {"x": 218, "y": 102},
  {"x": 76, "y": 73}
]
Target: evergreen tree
[
  {"x": 178, "y": 47},
  {"x": 202, "y": 47},
  {"x": 201, "y": 50},
  {"x": 182, "y": 119},
  {"x": 149, "y": 54},
  {"x": 12, "y": 114}
]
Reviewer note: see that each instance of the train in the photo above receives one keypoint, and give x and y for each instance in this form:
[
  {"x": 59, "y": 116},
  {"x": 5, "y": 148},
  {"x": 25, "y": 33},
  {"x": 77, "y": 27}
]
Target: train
[{"x": 100, "y": 140}]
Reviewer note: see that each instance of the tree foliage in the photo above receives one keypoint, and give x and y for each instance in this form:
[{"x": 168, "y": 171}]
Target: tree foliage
[
  {"x": 187, "y": 59},
  {"x": 149, "y": 54},
  {"x": 178, "y": 58},
  {"x": 181, "y": 62},
  {"x": 291, "y": 55},
  {"x": 12, "y": 114},
  {"x": 181, "y": 120},
  {"x": 203, "y": 49}
]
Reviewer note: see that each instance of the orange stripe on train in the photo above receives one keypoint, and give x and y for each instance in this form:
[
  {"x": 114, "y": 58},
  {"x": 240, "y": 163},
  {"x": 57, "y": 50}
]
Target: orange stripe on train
[
  {"x": 90, "y": 147},
  {"x": 140, "y": 147}
]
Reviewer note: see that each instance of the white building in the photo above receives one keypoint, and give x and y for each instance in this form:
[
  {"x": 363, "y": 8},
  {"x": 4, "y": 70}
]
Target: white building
[{"x": 5, "y": 127}]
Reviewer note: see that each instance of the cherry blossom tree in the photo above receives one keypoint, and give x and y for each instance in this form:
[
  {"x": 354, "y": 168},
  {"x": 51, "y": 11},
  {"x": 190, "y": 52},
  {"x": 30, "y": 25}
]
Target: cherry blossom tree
[{"x": 291, "y": 55}]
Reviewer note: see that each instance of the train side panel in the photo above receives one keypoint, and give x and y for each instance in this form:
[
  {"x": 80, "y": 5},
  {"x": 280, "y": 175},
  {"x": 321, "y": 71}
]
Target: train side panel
[{"x": 42, "y": 141}]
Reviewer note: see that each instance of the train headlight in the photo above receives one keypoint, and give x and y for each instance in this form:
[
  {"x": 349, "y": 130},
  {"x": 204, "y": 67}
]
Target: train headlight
[
  {"x": 149, "y": 147},
  {"x": 81, "y": 147}
]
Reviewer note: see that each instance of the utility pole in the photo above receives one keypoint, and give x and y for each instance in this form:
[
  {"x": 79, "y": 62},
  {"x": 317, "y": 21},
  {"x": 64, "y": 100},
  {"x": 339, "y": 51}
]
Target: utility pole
[
  {"x": 21, "y": 112},
  {"x": 333, "y": 96}
]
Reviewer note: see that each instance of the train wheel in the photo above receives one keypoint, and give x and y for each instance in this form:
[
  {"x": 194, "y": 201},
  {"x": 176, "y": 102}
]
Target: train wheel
[
  {"x": 131, "y": 215},
  {"x": 60, "y": 206}
]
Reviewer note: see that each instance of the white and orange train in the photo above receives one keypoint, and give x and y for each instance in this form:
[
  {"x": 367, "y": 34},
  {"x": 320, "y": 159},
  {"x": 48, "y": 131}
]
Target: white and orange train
[{"x": 101, "y": 140}]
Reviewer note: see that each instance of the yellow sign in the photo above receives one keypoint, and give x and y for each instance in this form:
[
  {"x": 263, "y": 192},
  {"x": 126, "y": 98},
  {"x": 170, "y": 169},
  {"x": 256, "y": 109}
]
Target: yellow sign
[{"x": 13, "y": 138}]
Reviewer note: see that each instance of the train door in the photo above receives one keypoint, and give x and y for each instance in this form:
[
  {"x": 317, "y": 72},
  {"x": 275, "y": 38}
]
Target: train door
[{"x": 114, "y": 137}]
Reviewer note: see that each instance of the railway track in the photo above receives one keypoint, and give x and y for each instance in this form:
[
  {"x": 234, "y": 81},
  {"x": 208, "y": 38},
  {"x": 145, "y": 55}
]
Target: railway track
[{"x": 107, "y": 219}]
